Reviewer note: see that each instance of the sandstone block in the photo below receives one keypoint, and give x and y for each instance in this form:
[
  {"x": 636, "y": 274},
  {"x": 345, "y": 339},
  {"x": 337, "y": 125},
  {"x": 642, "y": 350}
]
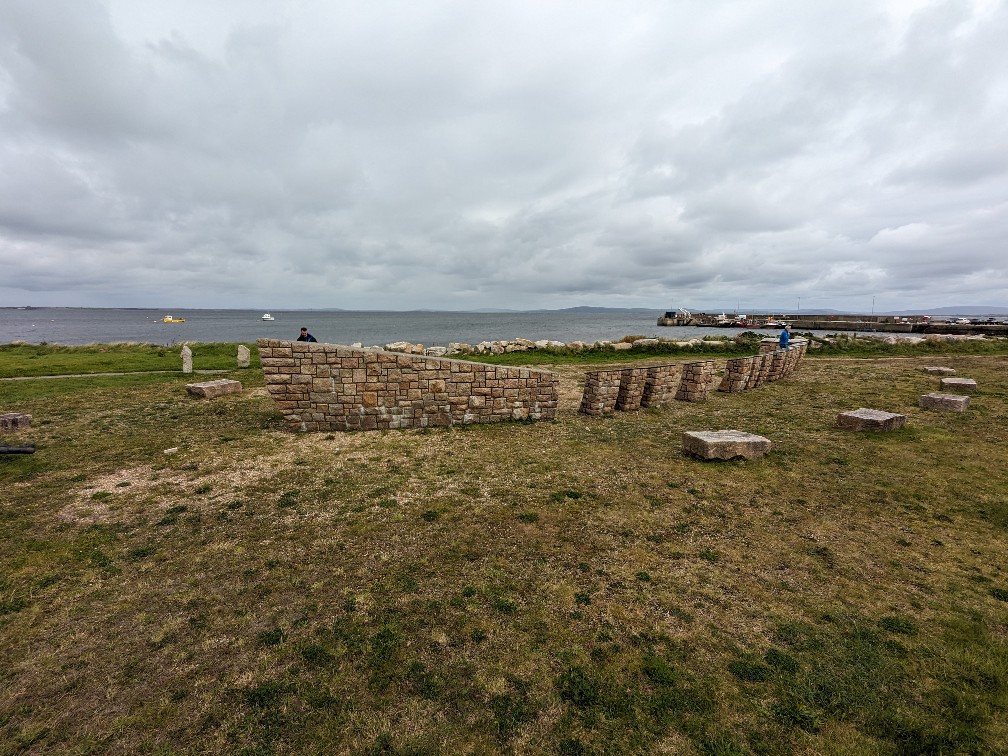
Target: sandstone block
[
  {"x": 213, "y": 389},
  {"x": 968, "y": 385},
  {"x": 13, "y": 421},
  {"x": 724, "y": 444},
  {"x": 870, "y": 419},
  {"x": 935, "y": 370},
  {"x": 951, "y": 402}
]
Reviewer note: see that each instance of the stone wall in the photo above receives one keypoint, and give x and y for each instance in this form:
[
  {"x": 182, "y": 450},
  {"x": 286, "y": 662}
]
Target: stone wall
[
  {"x": 696, "y": 383},
  {"x": 327, "y": 387}
]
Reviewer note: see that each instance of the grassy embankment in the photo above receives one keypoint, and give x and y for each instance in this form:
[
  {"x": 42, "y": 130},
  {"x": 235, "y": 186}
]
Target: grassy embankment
[{"x": 570, "y": 587}]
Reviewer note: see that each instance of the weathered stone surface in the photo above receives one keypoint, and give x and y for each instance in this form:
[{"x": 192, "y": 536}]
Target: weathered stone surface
[
  {"x": 724, "y": 444},
  {"x": 13, "y": 421},
  {"x": 870, "y": 420},
  {"x": 936, "y": 370},
  {"x": 212, "y": 389},
  {"x": 968, "y": 385},
  {"x": 186, "y": 359},
  {"x": 601, "y": 392},
  {"x": 244, "y": 356},
  {"x": 659, "y": 386},
  {"x": 331, "y": 387},
  {"x": 697, "y": 381},
  {"x": 951, "y": 402}
]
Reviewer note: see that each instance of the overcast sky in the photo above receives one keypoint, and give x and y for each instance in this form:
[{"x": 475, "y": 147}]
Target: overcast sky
[{"x": 524, "y": 154}]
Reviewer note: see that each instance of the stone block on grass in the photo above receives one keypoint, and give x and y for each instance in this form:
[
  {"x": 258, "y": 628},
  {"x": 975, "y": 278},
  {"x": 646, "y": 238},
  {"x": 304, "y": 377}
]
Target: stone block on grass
[
  {"x": 967, "y": 385},
  {"x": 724, "y": 444},
  {"x": 937, "y": 370},
  {"x": 870, "y": 420},
  {"x": 951, "y": 402},
  {"x": 213, "y": 389},
  {"x": 12, "y": 421}
]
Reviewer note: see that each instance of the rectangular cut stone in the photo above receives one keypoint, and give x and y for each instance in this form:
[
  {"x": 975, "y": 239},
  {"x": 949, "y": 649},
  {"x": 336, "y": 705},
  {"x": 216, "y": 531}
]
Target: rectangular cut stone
[
  {"x": 212, "y": 389},
  {"x": 724, "y": 444},
  {"x": 937, "y": 370},
  {"x": 951, "y": 402},
  {"x": 959, "y": 384},
  {"x": 12, "y": 421},
  {"x": 870, "y": 419}
]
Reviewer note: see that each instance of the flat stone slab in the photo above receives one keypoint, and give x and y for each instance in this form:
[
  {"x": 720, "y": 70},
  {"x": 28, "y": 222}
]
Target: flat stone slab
[
  {"x": 213, "y": 389},
  {"x": 870, "y": 420},
  {"x": 724, "y": 444},
  {"x": 12, "y": 421},
  {"x": 959, "y": 384},
  {"x": 951, "y": 402},
  {"x": 935, "y": 370}
]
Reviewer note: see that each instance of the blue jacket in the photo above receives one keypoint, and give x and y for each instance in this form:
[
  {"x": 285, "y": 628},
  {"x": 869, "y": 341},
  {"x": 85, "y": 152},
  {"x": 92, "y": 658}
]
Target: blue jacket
[{"x": 785, "y": 337}]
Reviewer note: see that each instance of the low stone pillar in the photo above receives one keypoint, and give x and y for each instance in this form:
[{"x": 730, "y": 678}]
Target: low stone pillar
[
  {"x": 737, "y": 372},
  {"x": 244, "y": 356},
  {"x": 865, "y": 419},
  {"x": 213, "y": 389},
  {"x": 768, "y": 346},
  {"x": 724, "y": 444},
  {"x": 760, "y": 370},
  {"x": 600, "y": 392},
  {"x": 659, "y": 385},
  {"x": 15, "y": 421},
  {"x": 937, "y": 370},
  {"x": 186, "y": 359},
  {"x": 950, "y": 402},
  {"x": 696, "y": 383},
  {"x": 967, "y": 385},
  {"x": 631, "y": 389}
]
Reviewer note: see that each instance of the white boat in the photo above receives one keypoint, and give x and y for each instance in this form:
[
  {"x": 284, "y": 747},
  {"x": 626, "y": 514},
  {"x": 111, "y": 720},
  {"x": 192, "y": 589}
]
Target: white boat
[{"x": 267, "y": 316}]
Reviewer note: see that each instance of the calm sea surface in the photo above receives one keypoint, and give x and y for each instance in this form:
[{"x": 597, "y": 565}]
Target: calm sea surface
[{"x": 85, "y": 326}]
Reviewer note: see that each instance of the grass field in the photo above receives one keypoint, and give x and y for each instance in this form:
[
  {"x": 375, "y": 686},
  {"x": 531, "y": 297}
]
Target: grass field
[{"x": 568, "y": 587}]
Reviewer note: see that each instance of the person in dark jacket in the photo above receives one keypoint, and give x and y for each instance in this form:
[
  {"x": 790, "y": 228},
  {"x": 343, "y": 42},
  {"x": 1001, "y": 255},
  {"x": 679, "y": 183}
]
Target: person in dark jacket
[{"x": 305, "y": 336}]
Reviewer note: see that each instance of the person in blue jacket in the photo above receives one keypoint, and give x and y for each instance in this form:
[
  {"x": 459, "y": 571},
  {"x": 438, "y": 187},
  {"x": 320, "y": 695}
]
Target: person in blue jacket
[
  {"x": 785, "y": 337},
  {"x": 305, "y": 336}
]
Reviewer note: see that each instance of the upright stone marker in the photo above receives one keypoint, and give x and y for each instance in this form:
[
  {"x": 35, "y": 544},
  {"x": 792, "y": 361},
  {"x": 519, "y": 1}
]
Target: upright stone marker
[
  {"x": 186, "y": 359},
  {"x": 243, "y": 356}
]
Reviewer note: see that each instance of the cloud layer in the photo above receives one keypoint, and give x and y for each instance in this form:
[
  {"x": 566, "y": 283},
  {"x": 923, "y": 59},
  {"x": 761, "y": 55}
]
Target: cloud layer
[{"x": 459, "y": 155}]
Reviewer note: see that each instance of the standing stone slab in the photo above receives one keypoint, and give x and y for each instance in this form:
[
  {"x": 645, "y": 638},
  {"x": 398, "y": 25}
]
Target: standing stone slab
[
  {"x": 13, "y": 421},
  {"x": 936, "y": 370},
  {"x": 870, "y": 420},
  {"x": 724, "y": 444},
  {"x": 951, "y": 402},
  {"x": 186, "y": 359},
  {"x": 213, "y": 389},
  {"x": 243, "y": 356},
  {"x": 967, "y": 385}
]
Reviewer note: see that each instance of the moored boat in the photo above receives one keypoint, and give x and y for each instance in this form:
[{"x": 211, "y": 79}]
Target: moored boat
[
  {"x": 170, "y": 319},
  {"x": 267, "y": 316}
]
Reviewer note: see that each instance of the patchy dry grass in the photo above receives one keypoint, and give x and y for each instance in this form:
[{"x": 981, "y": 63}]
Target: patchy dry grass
[{"x": 570, "y": 587}]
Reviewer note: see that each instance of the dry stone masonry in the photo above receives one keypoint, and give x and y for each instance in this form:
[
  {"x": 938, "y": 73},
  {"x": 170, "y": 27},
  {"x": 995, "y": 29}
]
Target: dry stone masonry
[
  {"x": 601, "y": 392},
  {"x": 631, "y": 390},
  {"x": 696, "y": 383},
  {"x": 659, "y": 386},
  {"x": 327, "y": 387},
  {"x": 870, "y": 420},
  {"x": 737, "y": 373}
]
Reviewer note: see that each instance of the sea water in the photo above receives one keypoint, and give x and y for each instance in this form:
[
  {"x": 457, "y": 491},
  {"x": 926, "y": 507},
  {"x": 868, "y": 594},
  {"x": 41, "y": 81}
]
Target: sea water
[{"x": 67, "y": 325}]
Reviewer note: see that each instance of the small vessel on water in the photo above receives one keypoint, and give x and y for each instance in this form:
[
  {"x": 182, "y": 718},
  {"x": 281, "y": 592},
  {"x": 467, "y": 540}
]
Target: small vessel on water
[
  {"x": 267, "y": 316},
  {"x": 170, "y": 319}
]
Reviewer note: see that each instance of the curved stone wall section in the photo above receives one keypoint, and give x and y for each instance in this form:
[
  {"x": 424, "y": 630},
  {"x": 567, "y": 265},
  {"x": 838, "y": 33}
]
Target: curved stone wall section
[
  {"x": 697, "y": 381},
  {"x": 328, "y": 387}
]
